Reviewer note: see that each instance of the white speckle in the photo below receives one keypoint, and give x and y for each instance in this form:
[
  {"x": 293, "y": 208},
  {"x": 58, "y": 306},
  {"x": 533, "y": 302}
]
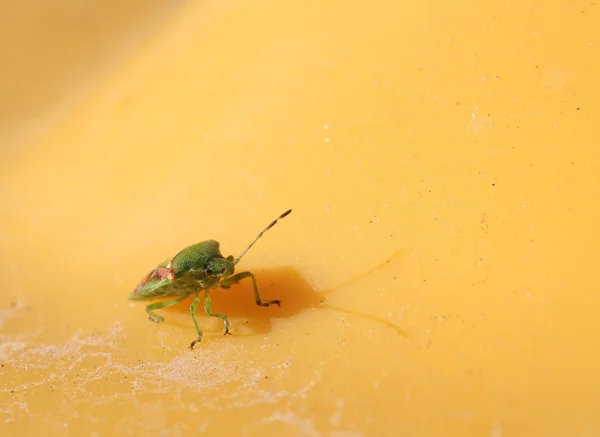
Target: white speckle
[
  {"x": 496, "y": 430},
  {"x": 326, "y": 127},
  {"x": 327, "y": 140},
  {"x": 528, "y": 295},
  {"x": 252, "y": 181},
  {"x": 336, "y": 417},
  {"x": 304, "y": 426},
  {"x": 345, "y": 434}
]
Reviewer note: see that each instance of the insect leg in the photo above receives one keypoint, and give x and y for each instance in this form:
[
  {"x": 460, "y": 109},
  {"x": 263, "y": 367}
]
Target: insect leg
[
  {"x": 234, "y": 279},
  {"x": 208, "y": 310},
  {"x": 158, "y": 305},
  {"x": 193, "y": 307}
]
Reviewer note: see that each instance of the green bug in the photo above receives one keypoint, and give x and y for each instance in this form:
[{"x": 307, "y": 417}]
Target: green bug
[{"x": 196, "y": 268}]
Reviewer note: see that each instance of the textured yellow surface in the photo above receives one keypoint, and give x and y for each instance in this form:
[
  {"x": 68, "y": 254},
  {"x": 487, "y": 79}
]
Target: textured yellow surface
[{"x": 442, "y": 162}]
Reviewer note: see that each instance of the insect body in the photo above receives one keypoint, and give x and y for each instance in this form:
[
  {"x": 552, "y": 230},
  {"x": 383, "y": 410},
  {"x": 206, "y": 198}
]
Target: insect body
[{"x": 196, "y": 268}]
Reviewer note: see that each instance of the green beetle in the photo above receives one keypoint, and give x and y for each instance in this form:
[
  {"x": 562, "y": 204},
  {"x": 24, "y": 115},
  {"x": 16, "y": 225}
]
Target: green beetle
[{"x": 196, "y": 268}]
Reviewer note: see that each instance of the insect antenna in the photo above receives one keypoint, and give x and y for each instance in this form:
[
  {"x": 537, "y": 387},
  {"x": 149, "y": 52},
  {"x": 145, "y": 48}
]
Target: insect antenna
[{"x": 235, "y": 261}]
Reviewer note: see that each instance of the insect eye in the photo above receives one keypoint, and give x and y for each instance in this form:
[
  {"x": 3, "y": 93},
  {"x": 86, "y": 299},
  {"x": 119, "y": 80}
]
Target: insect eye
[{"x": 208, "y": 271}]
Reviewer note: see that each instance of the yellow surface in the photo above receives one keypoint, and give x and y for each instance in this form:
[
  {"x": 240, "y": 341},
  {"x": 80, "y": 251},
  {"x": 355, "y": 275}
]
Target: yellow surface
[{"x": 442, "y": 162}]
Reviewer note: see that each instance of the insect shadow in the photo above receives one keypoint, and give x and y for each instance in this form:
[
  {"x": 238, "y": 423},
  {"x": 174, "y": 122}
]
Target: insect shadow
[{"x": 283, "y": 283}]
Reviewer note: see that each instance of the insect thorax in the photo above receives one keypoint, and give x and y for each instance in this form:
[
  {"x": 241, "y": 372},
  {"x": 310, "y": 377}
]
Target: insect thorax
[{"x": 195, "y": 257}]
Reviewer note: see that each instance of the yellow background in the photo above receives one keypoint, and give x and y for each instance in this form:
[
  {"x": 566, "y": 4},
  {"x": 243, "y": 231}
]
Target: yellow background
[{"x": 439, "y": 272}]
